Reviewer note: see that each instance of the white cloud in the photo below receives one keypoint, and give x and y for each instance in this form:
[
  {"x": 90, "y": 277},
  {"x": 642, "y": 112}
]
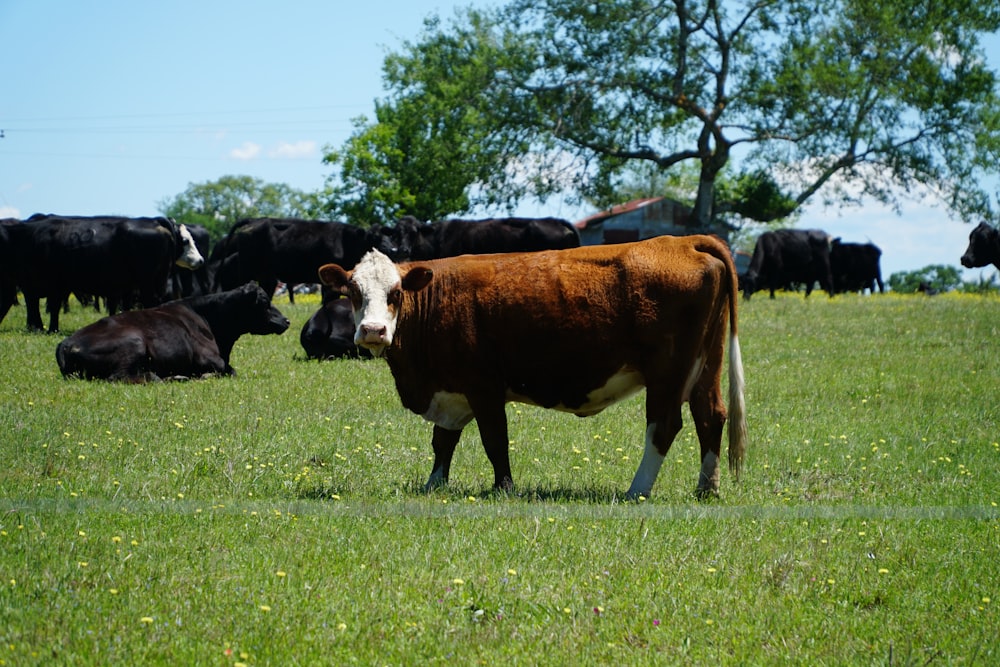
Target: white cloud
[
  {"x": 9, "y": 212},
  {"x": 299, "y": 149},
  {"x": 248, "y": 151}
]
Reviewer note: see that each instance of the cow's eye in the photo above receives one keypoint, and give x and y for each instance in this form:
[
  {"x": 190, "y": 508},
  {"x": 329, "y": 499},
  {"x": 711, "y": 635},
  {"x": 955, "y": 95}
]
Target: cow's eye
[
  {"x": 395, "y": 296},
  {"x": 355, "y": 295}
]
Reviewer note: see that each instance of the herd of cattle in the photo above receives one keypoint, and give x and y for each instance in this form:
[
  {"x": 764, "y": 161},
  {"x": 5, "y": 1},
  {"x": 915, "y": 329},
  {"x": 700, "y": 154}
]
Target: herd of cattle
[
  {"x": 465, "y": 325},
  {"x": 147, "y": 261}
]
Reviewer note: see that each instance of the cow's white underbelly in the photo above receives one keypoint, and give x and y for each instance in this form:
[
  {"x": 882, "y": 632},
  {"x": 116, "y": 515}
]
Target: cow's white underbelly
[
  {"x": 449, "y": 410},
  {"x": 621, "y": 385},
  {"x": 452, "y": 411}
]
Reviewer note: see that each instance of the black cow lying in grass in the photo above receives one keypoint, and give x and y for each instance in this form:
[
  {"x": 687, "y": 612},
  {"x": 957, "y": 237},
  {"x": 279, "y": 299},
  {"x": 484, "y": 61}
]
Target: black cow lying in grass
[
  {"x": 180, "y": 339},
  {"x": 329, "y": 333}
]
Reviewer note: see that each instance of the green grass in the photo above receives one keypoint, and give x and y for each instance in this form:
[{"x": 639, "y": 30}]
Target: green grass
[{"x": 277, "y": 518}]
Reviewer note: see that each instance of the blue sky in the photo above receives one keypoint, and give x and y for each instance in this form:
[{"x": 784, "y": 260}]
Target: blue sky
[{"x": 111, "y": 107}]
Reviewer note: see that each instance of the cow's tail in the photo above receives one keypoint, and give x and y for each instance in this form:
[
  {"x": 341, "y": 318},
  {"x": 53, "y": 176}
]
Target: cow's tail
[
  {"x": 737, "y": 411},
  {"x": 737, "y": 426},
  {"x": 737, "y": 417}
]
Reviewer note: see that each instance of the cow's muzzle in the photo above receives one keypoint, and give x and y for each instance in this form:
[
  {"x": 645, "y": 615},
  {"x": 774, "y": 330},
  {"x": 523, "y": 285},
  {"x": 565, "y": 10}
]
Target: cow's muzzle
[{"x": 373, "y": 337}]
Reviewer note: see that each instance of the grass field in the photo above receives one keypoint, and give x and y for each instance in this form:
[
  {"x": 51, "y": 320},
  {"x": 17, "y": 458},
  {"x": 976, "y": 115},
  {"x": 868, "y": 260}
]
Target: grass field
[{"x": 277, "y": 518}]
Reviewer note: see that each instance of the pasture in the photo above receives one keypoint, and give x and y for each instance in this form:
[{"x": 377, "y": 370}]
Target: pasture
[{"x": 277, "y": 518}]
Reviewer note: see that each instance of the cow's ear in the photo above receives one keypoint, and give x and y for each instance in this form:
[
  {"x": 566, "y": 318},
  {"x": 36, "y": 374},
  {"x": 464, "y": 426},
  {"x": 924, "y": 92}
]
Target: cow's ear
[
  {"x": 417, "y": 278},
  {"x": 334, "y": 276}
]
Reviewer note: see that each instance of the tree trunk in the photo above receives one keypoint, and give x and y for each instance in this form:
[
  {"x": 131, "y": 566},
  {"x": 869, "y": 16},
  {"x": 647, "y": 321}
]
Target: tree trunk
[{"x": 704, "y": 204}]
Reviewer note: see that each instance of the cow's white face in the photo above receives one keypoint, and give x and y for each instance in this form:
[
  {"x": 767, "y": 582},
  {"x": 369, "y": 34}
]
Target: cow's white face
[
  {"x": 376, "y": 293},
  {"x": 375, "y": 288},
  {"x": 189, "y": 258}
]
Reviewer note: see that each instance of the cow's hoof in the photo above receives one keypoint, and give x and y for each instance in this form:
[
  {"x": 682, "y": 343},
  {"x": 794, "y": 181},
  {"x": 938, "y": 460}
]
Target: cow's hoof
[
  {"x": 434, "y": 484},
  {"x": 706, "y": 494}
]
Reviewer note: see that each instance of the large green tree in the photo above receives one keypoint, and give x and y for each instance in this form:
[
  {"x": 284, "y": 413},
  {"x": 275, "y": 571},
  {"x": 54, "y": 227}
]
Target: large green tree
[
  {"x": 848, "y": 98},
  {"x": 434, "y": 140},
  {"x": 218, "y": 204}
]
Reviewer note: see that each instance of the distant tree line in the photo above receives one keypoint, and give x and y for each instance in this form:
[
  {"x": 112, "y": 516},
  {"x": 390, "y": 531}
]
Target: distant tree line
[
  {"x": 940, "y": 278},
  {"x": 216, "y": 205}
]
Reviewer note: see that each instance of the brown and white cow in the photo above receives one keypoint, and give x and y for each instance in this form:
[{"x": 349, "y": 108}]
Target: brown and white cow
[{"x": 573, "y": 330}]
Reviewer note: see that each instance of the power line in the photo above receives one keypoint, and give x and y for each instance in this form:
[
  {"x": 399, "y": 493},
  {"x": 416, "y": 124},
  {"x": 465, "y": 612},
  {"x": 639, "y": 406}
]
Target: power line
[
  {"x": 182, "y": 129},
  {"x": 181, "y": 114}
]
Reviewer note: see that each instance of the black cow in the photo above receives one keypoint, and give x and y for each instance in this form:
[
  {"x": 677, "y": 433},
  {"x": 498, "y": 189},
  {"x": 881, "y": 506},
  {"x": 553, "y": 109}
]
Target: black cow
[
  {"x": 186, "y": 338},
  {"x": 8, "y": 279},
  {"x": 329, "y": 333},
  {"x": 289, "y": 250},
  {"x": 418, "y": 241},
  {"x": 786, "y": 256},
  {"x": 984, "y": 247},
  {"x": 855, "y": 267},
  {"x": 111, "y": 257}
]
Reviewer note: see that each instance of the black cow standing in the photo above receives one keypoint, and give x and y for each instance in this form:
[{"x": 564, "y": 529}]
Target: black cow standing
[
  {"x": 185, "y": 338},
  {"x": 8, "y": 279},
  {"x": 786, "y": 256},
  {"x": 329, "y": 333},
  {"x": 984, "y": 247},
  {"x": 289, "y": 250},
  {"x": 111, "y": 257},
  {"x": 856, "y": 267},
  {"x": 417, "y": 241}
]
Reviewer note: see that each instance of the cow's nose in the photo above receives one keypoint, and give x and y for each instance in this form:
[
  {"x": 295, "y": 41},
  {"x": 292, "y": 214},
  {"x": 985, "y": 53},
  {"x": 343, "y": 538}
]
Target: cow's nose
[{"x": 372, "y": 332}]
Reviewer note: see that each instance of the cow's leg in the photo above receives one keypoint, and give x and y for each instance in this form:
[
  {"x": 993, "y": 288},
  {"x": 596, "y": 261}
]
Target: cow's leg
[
  {"x": 492, "y": 421},
  {"x": 707, "y": 404},
  {"x": 444, "y": 443},
  {"x": 709, "y": 413},
  {"x": 34, "y": 313},
  {"x": 53, "y": 304},
  {"x": 663, "y": 423}
]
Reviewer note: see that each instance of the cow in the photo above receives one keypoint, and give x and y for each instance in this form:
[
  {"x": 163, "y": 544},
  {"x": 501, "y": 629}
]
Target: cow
[
  {"x": 8, "y": 279},
  {"x": 786, "y": 256},
  {"x": 185, "y": 338},
  {"x": 984, "y": 247},
  {"x": 188, "y": 281},
  {"x": 415, "y": 240},
  {"x": 855, "y": 267},
  {"x": 329, "y": 333},
  {"x": 112, "y": 257},
  {"x": 289, "y": 250},
  {"x": 573, "y": 330}
]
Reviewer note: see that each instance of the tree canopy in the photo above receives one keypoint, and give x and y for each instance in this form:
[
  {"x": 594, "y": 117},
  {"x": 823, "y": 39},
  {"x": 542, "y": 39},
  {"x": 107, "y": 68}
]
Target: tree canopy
[
  {"x": 216, "y": 205},
  {"x": 793, "y": 99}
]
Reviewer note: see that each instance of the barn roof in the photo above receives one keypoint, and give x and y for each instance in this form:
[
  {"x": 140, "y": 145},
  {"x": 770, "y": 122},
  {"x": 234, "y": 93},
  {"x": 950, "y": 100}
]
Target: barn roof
[{"x": 616, "y": 210}]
